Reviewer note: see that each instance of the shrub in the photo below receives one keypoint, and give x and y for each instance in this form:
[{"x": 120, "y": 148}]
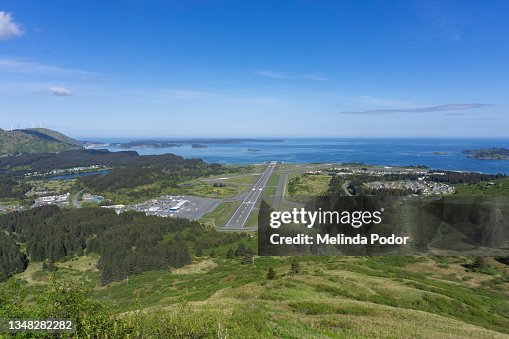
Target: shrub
[
  {"x": 271, "y": 274},
  {"x": 295, "y": 267}
]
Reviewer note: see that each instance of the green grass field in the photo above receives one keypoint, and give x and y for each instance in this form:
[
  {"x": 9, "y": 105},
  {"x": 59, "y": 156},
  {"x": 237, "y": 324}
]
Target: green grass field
[
  {"x": 252, "y": 220},
  {"x": 54, "y": 186},
  {"x": 308, "y": 185},
  {"x": 242, "y": 183},
  {"x": 271, "y": 186},
  {"x": 209, "y": 191},
  {"x": 220, "y": 215}
]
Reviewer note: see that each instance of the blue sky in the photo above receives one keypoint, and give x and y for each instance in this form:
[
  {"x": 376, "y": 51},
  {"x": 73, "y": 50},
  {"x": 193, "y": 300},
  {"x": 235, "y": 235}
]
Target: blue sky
[{"x": 256, "y": 68}]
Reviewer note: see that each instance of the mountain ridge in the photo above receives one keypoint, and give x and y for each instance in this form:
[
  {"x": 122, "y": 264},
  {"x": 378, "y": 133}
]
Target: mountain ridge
[{"x": 35, "y": 140}]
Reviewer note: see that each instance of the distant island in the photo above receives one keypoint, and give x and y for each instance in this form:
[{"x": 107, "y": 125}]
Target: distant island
[
  {"x": 488, "y": 153},
  {"x": 146, "y": 143},
  {"x": 201, "y": 143},
  {"x": 440, "y": 153},
  {"x": 253, "y": 150}
]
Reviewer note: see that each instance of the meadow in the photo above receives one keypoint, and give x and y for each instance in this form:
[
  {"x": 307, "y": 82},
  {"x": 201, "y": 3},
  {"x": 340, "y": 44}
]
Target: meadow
[{"x": 329, "y": 297}]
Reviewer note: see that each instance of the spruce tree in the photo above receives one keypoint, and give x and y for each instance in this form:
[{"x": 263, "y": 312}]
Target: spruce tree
[
  {"x": 295, "y": 267},
  {"x": 247, "y": 259},
  {"x": 198, "y": 250},
  {"x": 230, "y": 254},
  {"x": 271, "y": 274},
  {"x": 241, "y": 250}
]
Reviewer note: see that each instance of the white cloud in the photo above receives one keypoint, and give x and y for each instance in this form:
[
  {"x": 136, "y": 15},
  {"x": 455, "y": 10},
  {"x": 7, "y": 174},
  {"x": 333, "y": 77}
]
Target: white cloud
[
  {"x": 59, "y": 91},
  {"x": 8, "y": 28}
]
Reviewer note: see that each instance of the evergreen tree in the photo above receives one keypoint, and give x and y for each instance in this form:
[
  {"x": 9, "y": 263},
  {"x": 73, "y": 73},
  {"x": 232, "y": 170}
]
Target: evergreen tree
[
  {"x": 295, "y": 267},
  {"x": 247, "y": 259},
  {"x": 198, "y": 250},
  {"x": 480, "y": 262},
  {"x": 12, "y": 260},
  {"x": 230, "y": 254},
  {"x": 127, "y": 244},
  {"x": 212, "y": 254},
  {"x": 241, "y": 250},
  {"x": 271, "y": 274},
  {"x": 50, "y": 266}
]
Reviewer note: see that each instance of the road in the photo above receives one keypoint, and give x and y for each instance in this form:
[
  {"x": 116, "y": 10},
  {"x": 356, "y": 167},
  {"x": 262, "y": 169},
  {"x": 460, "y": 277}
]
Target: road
[
  {"x": 241, "y": 214},
  {"x": 75, "y": 199},
  {"x": 345, "y": 188}
]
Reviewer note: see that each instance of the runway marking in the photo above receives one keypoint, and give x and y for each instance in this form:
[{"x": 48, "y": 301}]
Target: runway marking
[{"x": 250, "y": 200}]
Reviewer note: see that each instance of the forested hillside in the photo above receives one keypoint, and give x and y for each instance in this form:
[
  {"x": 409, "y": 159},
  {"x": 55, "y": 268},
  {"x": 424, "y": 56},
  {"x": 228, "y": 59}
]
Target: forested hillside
[
  {"x": 35, "y": 140},
  {"x": 132, "y": 176},
  {"x": 128, "y": 243}
]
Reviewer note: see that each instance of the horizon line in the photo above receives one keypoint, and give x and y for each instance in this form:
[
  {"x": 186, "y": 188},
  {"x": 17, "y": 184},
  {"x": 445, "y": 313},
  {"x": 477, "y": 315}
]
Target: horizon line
[{"x": 165, "y": 138}]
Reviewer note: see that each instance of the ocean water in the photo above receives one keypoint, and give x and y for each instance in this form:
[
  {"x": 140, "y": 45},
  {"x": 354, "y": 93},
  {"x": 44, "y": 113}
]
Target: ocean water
[{"x": 389, "y": 152}]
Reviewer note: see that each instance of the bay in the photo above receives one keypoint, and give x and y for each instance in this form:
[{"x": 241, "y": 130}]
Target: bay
[{"x": 443, "y": 154}]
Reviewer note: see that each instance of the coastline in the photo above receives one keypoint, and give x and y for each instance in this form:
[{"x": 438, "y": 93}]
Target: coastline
[{"x": 444, "y": 154}]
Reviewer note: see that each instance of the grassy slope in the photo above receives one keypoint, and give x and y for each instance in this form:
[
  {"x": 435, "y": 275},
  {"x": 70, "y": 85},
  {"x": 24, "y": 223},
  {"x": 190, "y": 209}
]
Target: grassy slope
[
  {"x": 394, "y": 297},
  {"x": 34, "y": 141},
  {"x": 57, "y": 135},
  {"x": 330, "y": 297},
  {"x": 348, "y": 296}
]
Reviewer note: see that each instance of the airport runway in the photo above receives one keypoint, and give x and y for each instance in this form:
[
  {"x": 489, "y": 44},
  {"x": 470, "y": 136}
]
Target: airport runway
[{"x": 241, "y": 214}]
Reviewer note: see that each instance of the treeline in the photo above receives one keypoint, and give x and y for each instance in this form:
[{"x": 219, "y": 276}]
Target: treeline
[
  {"x": 336, "y": 186},
  {"x": 128, "y": 243},
  {"x": 468, "y": 178},
  {"x": 137, "y": 246},
  {"x": 131, "y": 170},
  {"x": 12, "y": 260},
  {"x": 170, "y": 173},
  {"x": 448, "y": 177},
  {"x": 12, "y": 188},
  {"x": 44, "y": 162},
  {"x": 53, "y": 234},
  {"x": 150, "y": 179},
  {"x": 212, "y": 239}
]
